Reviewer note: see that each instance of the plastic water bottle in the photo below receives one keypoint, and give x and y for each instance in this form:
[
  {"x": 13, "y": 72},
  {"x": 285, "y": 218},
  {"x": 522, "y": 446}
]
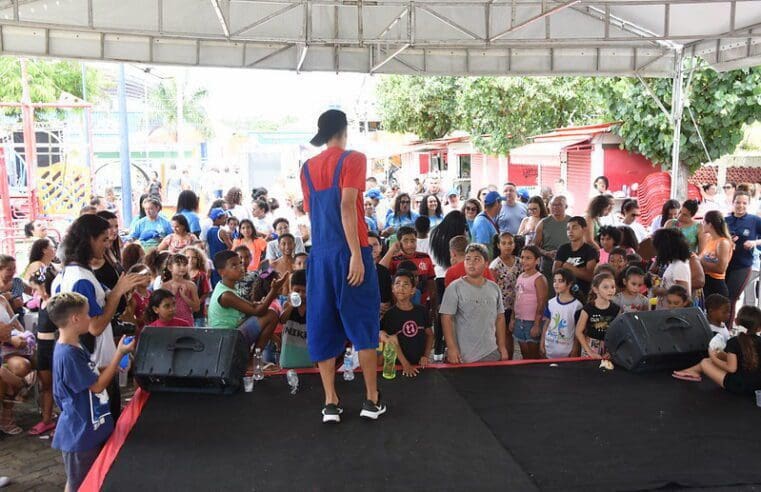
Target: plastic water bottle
[
  {"x": 124, "y": 365},
  {"x": 295, "y": 299},
  {"x": 348, "y": 365},
  {"x": 293, "y": 380},
  {"x": 389, "y": 361},
  {"x": 258, "y": 365}
]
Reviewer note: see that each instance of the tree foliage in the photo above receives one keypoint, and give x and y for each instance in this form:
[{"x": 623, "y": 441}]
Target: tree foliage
[
  {"x": 425, "y": 106},
  {"x": 500, "y": 112},
  {"x": 48, "y": 80},
  {"x": 721, "y": 102},
  {"x": 163, "y": 100}
]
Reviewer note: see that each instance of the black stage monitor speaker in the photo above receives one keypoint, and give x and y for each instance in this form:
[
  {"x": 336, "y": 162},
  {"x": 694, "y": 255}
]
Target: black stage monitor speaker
[
  {"x": 658, "y": 340},
  {"x": 190, "y": 360}
]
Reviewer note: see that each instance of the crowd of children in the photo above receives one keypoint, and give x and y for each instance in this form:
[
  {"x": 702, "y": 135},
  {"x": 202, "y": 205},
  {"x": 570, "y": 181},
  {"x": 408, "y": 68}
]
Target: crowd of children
[{"x": 246, "y": 274}]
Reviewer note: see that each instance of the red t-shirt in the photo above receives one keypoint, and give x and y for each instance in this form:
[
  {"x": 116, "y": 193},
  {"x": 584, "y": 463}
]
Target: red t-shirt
[
  {"x": 458, "y": 271},
  {"x": 173, "y": 322},
  {"x": 321, "y": 170}
]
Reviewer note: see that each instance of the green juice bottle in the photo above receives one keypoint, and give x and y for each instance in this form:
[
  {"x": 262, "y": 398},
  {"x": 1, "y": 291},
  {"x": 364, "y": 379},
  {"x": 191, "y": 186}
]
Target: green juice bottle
[{"x": 389, "y": 361}]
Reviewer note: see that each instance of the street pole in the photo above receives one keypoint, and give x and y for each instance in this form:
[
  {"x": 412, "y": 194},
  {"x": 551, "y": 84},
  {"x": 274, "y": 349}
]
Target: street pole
[
  {"x": 124, "y": 149},
  {"x": 30, "y": 139},
  {"x": 677, "y": 106}
]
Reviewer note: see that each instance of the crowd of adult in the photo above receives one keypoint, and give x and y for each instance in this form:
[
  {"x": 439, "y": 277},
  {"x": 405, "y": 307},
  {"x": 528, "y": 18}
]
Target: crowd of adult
[{"x": 471, "y": 275}]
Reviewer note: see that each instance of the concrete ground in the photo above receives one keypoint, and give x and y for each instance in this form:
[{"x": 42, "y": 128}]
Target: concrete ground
[{"x": 29, "y": 461}]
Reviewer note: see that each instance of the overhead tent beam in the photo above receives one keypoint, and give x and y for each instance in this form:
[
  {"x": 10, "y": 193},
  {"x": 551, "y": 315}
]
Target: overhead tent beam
[
  {"x": 389, "y": 58},
  {"x": 222, "y": 9},
  {"x": 677, "y": 106},
  {"x": 616, "y": 46},
  {"x": 530, "y": 21}
]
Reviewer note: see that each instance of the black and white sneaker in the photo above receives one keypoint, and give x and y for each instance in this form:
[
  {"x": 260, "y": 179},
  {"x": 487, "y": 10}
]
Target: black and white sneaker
[
  {"x": 331, "y": 414},
  {"x": 373, "y": 410}
]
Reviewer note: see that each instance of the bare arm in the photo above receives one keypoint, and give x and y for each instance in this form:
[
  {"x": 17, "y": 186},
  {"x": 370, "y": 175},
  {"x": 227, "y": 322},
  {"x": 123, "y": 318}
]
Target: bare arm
[
  {"x": 349, "y": 222},
  {"x": 126, "y": 283},
  {"x": 107, "y": 375},
  {"x": 502, "y": 336},
  {"x": 453, "y": 351}
]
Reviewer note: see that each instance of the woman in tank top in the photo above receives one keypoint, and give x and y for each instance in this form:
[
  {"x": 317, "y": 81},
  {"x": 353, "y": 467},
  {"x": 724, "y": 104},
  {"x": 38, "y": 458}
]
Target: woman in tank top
[{"x": 715, "y": 253}]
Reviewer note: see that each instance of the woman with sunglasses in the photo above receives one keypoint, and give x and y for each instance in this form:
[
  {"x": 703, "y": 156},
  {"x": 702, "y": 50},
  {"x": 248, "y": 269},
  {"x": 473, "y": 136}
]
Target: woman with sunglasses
[
  {"x": 536, "y": 212},
  {"x": 630, "y": 212},
  {"x": 401, "y": 216},
  {"x": 471, "y": 208}
]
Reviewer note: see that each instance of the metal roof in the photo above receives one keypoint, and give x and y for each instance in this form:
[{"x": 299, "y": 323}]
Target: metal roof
[
  {"x": 476, "y": 37},
  {"x": 546, "y": 153}
]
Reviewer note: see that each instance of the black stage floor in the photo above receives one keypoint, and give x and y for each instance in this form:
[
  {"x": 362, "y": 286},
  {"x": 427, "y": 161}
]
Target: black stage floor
[{"x": 528, "y": 427}]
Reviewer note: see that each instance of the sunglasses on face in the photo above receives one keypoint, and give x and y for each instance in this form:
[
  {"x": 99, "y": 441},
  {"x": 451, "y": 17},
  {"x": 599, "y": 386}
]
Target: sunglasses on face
[
  {"x": 471, "y": 209},
  {"x": 405, "y": 202}
]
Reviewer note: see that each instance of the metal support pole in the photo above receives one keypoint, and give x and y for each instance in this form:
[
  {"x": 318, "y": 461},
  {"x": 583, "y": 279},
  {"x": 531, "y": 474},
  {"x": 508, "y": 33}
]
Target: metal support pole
[
  {"x": 124, "y": 149},
  {"x": 677, "y": 105},
  {"x": 87, "y": 135},
  {"x": 30, "y": 140}
]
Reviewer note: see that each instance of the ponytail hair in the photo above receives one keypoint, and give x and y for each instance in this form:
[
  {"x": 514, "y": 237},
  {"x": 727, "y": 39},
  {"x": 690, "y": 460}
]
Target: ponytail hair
[{"x": 750, "y": 318}]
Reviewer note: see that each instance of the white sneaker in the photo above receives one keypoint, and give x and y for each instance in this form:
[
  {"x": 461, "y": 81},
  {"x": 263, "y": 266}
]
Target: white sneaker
[{"x": 4, "y": 481}]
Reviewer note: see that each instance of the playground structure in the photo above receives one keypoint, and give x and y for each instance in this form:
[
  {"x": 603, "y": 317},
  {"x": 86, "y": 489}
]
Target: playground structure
[{"x": 43, "y": 171}]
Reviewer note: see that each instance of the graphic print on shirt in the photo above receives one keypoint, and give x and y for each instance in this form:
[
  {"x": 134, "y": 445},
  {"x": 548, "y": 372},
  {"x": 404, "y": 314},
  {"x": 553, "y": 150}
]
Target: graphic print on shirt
[
  {"x": 99, "y": 407},
  {"x": 599, "y": 322},
  {"x": 410, "y": 329},
  {"x": 558, "y": 329},
  {"x": 575, "y": 261}
]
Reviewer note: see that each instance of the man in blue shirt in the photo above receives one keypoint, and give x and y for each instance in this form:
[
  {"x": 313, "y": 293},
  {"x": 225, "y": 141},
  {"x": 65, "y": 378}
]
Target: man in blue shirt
[
  {"x": 485, "y": 226},
  {"x": 513, "y": 211}
]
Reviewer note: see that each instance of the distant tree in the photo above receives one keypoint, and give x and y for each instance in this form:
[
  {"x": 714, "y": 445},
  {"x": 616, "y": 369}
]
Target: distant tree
[
  {"x": 48, "y": 80},
  {"x": 163, "y": 100}
]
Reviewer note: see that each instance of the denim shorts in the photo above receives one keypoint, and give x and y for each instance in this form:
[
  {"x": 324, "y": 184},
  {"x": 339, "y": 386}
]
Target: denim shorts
[
  {"x": 522, "y": 331},
  {"x": 250, "y": 330},
  {"x": 77, "y": 464}
]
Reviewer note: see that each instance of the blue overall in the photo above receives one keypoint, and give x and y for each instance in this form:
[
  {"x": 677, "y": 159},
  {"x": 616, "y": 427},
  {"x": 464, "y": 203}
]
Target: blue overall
[{"x": 336, "y": 310}]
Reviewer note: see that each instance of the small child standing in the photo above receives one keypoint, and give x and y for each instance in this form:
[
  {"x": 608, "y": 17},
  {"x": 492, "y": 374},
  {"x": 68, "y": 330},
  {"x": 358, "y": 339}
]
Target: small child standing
[
  {"x": 177, "y": 282},
  {"x": 162, "y": 310},
  {"x": 630, "y": 299},
  {"x": 505, "y": 269},
  {"x": 407, "y": 326},
  {"x": 198, "y": 272},
  {"x": 85, "y": 422},
  {"x": 559, "y": 334},
  {"x": 597, "y": 316},
  {"x": 677, "y": 297},
  {"x": 472, "y": 314},
  {"x": 530, "y": 302},
  {"x": 138, "y": 300},
  {"x": 610, "y": 238},
  {"x": 293, "y": 346}
]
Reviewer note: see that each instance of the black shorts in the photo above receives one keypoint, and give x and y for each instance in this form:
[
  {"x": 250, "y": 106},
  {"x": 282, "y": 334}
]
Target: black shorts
[
  {"x": 735, "y": 383},
  {"x": 45, "y": 355}
]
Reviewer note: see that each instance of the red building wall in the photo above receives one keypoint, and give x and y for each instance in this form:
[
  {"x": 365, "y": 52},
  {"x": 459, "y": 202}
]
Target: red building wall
[
  {"x": 624, "y": 168},
  {"x": 523, "y": 174}
]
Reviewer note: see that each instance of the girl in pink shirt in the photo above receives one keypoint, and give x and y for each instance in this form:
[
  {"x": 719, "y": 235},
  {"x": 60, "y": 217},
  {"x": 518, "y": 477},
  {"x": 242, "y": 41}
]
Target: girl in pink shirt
[
  {"x": 176, "y": 281},
  {"x": 530, "y": 301},
  {"x": 161, "y": 310}
]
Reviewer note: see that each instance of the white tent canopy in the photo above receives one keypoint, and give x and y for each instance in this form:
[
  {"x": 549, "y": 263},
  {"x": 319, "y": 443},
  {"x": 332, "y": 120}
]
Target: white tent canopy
[{"x": 491, "y": 37}]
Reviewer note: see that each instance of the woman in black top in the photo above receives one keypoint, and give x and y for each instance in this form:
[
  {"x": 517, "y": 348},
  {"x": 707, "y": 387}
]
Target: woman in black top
[
  {"x": 107, "y": 269},
  {"x": 46, "y": 337}
]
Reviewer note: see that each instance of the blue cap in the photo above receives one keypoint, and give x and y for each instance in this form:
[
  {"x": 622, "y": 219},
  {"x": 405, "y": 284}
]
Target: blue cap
[
  {"x": 216, "y": 213},
  {"x": 492, "y": 197},
  {"x": 523, "y": 193},
  {"x": 373, "y": 194},
  {"x": 453, "y": 191}
]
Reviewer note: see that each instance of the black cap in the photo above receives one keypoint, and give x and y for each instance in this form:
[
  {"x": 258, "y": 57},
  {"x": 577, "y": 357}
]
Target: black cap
[{"x": 330, "y": 123}]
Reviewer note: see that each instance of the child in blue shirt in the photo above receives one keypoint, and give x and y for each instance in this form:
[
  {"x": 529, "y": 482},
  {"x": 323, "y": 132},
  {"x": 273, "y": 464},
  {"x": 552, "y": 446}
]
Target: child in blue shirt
[{"x": 85, "y": 422}]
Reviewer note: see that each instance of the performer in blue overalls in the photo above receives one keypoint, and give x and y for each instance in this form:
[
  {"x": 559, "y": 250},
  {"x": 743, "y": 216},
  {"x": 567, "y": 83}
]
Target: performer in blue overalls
[{"x": 342, "y": 283}]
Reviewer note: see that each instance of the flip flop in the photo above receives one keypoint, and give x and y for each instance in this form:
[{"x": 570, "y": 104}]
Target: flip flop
[
  {"x": 270, "y": 367},
  {"x": 11, "y": 428},
  {"x": 684, "y": 376},
  {"x": 41, "y": 428}
]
